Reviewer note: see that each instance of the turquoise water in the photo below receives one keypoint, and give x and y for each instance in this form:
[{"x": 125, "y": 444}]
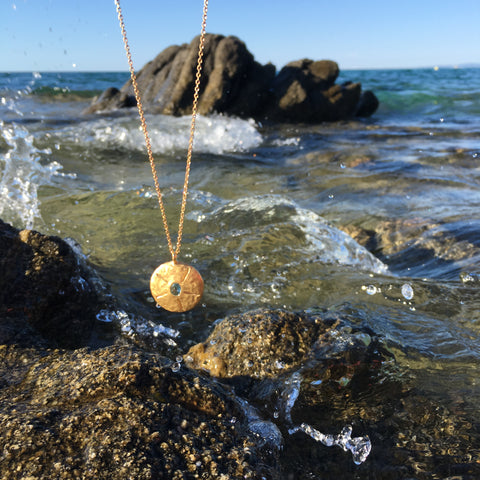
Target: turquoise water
[{"x": 268, "y": 210}]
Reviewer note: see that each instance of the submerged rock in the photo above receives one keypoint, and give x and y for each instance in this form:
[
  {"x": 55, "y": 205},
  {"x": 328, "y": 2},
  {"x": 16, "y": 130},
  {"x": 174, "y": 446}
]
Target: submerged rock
[
  {"x": 234, "y": 83},
  {"x": 400, "y": 242},
  {"x": 43, "y": 285}
]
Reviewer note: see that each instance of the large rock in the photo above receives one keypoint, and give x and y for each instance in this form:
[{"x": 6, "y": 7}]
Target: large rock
[
  {"x": 43, "y": 288},
  {"x": 257, "y": 344},
  {"x": 234, "y": 83}
]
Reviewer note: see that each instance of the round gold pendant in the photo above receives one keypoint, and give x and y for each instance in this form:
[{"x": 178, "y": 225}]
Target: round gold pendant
[{"x": 176, "y": 287}]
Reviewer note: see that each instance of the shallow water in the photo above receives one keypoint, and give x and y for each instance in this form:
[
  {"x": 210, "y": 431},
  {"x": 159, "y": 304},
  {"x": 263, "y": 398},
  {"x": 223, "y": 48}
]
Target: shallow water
[{"x": 267, "y": 208}]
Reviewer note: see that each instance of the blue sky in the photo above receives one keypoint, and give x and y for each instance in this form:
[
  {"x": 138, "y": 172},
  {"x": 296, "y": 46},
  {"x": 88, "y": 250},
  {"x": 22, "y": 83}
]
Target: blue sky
[{"x": 64, "y": 35}]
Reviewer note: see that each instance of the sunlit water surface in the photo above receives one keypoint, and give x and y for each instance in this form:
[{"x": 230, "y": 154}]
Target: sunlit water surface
[{"x": 267, "y": 210}]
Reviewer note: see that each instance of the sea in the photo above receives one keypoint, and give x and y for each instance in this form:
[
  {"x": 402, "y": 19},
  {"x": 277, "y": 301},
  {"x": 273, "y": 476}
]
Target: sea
[{"x": 377, "y": 217}]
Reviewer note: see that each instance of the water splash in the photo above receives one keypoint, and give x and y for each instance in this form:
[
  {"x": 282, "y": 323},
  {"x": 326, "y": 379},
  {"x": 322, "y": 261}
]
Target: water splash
[
  {"x": 290, "y": 394},
  {"x": 266, "y": 432},
  {"x": 135, "y": 327},
  {"x": 359, "y": 446},
  {"x": 214, "y": 134},
  {"x": 23, "y": 172},
  {"x": 322, "y": 241}
]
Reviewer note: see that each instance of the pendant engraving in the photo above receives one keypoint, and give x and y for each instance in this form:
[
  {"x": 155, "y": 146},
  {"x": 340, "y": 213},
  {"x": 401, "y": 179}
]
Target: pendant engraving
[{"x": 176, "y": 287}]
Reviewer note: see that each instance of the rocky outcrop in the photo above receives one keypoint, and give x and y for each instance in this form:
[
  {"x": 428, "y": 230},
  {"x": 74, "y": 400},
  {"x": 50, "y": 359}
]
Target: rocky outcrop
[
  {"x": 305, "y": 91},
  {"x": 234, "y": 83}
]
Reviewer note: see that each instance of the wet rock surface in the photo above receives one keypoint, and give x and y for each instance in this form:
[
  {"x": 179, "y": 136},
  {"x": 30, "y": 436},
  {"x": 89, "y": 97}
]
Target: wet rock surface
[
  {"x": 234, "y": 83},
  {"x": 44, "y": 283},
  {"x": 258, "y": 344},
  {"x": 116, "y": 413}
]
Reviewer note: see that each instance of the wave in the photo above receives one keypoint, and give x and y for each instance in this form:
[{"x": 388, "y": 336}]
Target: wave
[
  {"x": 214, "y": 134},
  {"x": 262, "y": 243}
]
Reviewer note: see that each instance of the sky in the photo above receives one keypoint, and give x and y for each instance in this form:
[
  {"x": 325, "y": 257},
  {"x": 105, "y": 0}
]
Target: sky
[{"x": 68, "y": 35}]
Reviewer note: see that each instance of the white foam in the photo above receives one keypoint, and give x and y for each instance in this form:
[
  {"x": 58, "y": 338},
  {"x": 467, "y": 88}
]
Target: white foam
[
  {"x": 214, "y": 134},
  {"x": 334, "y": 246}
]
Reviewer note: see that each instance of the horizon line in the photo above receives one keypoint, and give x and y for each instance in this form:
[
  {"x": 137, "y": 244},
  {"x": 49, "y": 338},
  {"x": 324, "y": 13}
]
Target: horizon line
[{"x": 126, "y": 71}]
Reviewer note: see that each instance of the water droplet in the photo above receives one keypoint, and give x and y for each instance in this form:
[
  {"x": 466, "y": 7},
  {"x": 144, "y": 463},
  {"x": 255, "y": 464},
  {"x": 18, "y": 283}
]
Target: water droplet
[
  {"x": 175, "y": 367},
  {"x": 331, "y": 196},
  {"x": 344, "y": 381},
  {"x": 342, "y": 165},
  {"x": 105, "y": 316},
  {"x": 370, "y": 289},
  {"x": 466, "y": 277},
  {"x": 407, "y": 291},
  {"x": 279, "y": 364},
  {"x": 275, "y": 414}
]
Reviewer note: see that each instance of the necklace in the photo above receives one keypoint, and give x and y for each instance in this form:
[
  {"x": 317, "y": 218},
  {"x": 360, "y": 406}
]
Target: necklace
[{"x": 175, "y": 286}]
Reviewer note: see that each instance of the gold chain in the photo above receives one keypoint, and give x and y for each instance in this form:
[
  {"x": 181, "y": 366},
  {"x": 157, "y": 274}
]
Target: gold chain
[{"x": 173, "y": 251}]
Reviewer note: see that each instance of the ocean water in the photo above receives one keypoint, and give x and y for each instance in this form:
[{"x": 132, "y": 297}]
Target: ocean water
[{"x": 379, "y": 216}]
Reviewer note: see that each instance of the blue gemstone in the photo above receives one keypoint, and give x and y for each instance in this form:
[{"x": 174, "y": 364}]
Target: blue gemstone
[{"x": 175, "y": 289}]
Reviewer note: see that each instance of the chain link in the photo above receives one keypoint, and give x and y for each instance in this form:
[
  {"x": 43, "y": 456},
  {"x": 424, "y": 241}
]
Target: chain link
[{"x": 175, "y": 252}]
